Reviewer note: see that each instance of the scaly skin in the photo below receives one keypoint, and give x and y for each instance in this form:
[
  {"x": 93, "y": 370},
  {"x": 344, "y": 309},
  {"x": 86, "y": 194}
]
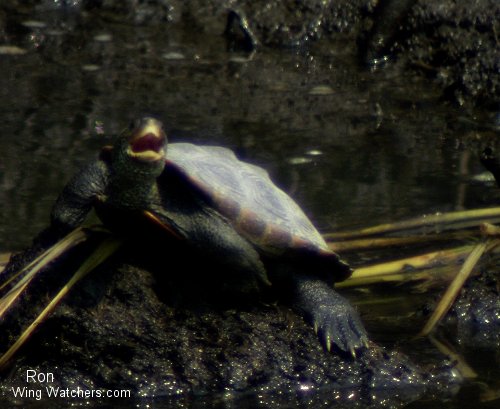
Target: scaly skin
[{"x": 334, "y": 319}]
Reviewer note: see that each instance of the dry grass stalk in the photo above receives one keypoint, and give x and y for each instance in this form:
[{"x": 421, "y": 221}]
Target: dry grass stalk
[{"x": 102, "y": 253}]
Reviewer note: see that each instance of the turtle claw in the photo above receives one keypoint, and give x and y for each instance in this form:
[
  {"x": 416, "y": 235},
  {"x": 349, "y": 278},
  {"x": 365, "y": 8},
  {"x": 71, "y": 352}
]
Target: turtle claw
[
  {"x": 336, "y": 323},
  {"x": 365, "y": 343},
  {"x": 328, "y": 343},
  {"x": 339, "y": 327},
  {"x": 340, "y": 333}
]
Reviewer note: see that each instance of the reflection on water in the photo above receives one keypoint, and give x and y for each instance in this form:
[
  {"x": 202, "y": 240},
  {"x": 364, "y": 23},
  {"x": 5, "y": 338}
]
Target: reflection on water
[{"x": 353, "y": 147}]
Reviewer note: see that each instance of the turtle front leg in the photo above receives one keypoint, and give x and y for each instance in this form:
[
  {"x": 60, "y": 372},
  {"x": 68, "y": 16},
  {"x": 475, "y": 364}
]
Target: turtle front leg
[
  {"x": 78, "y": 197},
  {"x": 73, "y": 204},
  {"x": 69, "y": 211},
  {"x": 335, "y": 321}
]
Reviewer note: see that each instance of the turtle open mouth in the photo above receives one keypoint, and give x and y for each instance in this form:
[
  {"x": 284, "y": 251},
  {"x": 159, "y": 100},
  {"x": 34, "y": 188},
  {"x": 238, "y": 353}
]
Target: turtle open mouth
[{"x": 147, "y": 142}]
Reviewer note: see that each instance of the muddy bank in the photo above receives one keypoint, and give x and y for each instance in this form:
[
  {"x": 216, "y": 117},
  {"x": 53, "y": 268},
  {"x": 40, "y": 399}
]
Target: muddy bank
[
  {"x": 474, "y": 320},
  {"x": 127, "y": 327}
]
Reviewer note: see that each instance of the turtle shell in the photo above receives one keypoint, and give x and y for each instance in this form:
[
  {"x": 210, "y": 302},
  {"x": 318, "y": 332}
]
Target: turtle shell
[{"x": 245, "y": 194}]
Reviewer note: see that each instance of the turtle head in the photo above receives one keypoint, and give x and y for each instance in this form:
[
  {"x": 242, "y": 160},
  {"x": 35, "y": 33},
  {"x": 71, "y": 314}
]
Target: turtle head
[
  {"x": 138, "y": 158},
  {"x": 141, "y": 149}
]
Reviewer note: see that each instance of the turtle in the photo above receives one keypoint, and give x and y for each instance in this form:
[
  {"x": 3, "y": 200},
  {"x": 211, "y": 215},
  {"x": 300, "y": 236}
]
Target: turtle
[{"x": 223, "y": 208}]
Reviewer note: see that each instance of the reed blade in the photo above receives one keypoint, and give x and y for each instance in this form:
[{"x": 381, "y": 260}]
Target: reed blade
[
  {"x": 414, "y": 268},
  {"x": 377, "y": 243},
  {"x": 460, "y": 363},
  {"x": 100, "y": 254},
  {"x": 33, "y": 268},
  {"x": 437, "y": 222},
  {"x": 4, "y": 259},
  {"x": 456, "y": 285}
]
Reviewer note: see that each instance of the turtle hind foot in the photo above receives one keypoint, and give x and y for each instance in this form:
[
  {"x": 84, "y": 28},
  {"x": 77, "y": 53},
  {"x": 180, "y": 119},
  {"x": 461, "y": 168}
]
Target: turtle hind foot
[
  {"x": 344, "y": 333},
  {"x": 336, "y": 322}
]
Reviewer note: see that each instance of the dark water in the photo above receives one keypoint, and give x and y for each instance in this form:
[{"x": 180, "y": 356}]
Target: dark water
[{"x": 354, "y": 147}]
